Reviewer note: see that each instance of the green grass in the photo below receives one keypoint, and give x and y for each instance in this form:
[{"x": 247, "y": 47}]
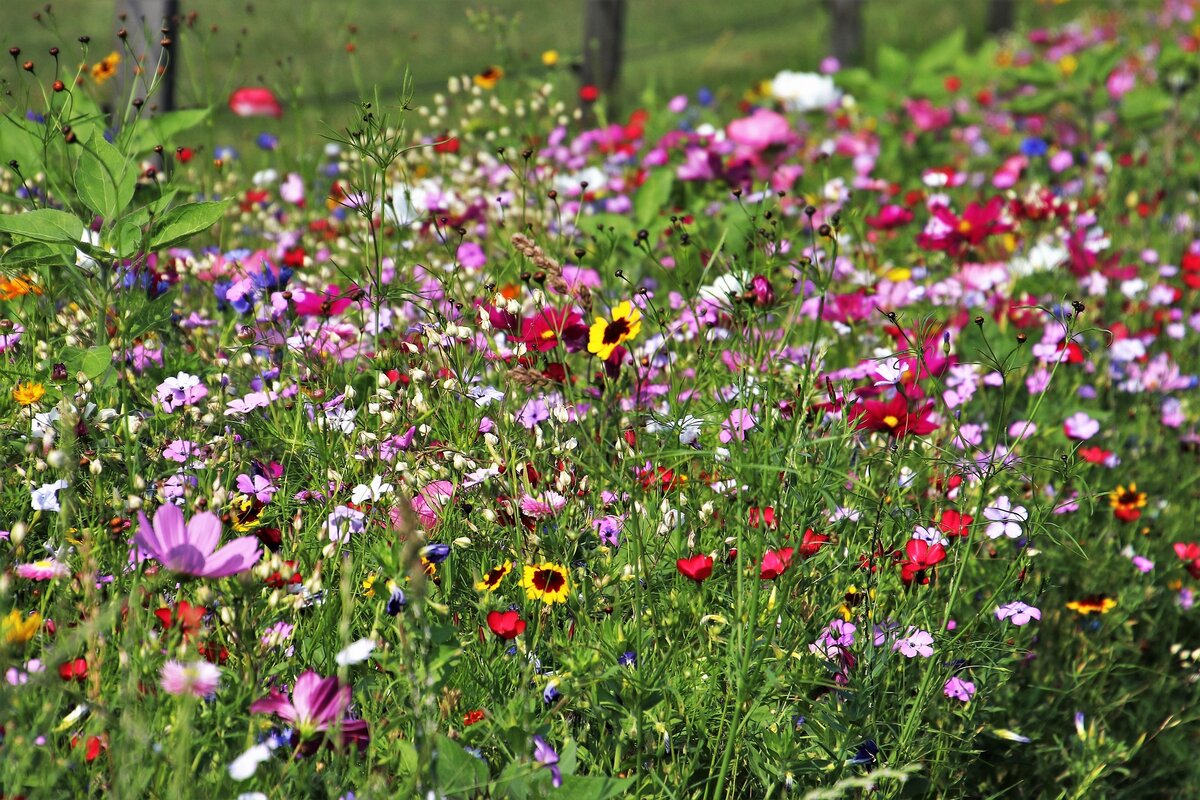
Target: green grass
[{"x": 300, "y": 48}]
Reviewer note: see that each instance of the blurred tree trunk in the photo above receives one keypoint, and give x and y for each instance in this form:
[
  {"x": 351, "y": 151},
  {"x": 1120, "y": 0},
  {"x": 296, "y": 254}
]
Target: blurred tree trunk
[
  {"x": 846, "y": 30},
  {"x": 150, "y": 26},
  {"x": 603, "y": 46},
  {"x": 1001, "y": 16}
]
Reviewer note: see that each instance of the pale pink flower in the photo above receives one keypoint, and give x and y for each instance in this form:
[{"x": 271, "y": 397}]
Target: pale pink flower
[{"x": 199, "y": 678}]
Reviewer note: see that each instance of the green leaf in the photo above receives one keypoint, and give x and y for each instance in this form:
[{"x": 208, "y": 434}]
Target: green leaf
[
  {"x": 652, "y": 197},
  {"x": 164, "y": 128},
  {"x": 19, "y": 143},
  {"x": 150, "y": 317},
  {"x": 183, "y": 222},
  {"x": 31, "y": 255},
  {"x": 96, "y": 361},
  {"x": 105, "y": 179},
  {"x": 1145, "y": 104},
  {"x": 458, "y": 772},
  {"x": 578, "y": 787},
  {"x": 944, "y": 54},
  {"x": 43, "y": 225},
  {"x": 892, "y": 67}
]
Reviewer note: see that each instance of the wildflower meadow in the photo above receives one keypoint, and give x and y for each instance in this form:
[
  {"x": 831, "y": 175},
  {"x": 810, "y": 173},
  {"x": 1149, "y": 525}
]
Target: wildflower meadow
[{"x": 834, "y": 435}]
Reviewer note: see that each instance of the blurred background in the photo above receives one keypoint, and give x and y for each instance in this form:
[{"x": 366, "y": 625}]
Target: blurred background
[{"x": 320, "y": 56}]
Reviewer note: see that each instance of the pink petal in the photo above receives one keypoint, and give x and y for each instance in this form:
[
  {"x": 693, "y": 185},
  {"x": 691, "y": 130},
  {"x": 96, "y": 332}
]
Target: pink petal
[
  {"x": 204, "y": 532},
  {"x": 238, "y": 556},
  {"x": 169, "y": 527}
]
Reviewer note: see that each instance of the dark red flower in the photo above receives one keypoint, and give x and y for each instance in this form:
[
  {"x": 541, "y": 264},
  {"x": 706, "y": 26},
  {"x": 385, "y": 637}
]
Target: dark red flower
[
  {"x": 922, "y": 557},
  {"x": 697, "y": 568},
  {"x": 955, "y": 523},
  {"x": 893, "y": 417},
  {"x": 73, "y": 670},
  {"x": 506, "y": 624},
  {"x": 472, "y": 717},
  {"x": 1189, "y": 554},
  {"x": 544, "y": 330},
  {"x": 812, "y": 542},
  {"x": 775, "y": 563},
  {"x": 186, "y": 615}
]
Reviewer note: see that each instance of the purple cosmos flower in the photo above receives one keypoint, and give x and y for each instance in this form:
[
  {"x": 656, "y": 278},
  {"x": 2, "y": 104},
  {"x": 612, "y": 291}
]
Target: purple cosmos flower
[
  {"x": 192, "y": 549},
  {"x": 259, "y": 486},
  {"x": 545, "y": 755},
  {"x": 739, "y": 423},
  {"x": 608, "y": 529},
  {"x": 316, "y": 705},
  {"x": 1018, "y": 613},
  {"x": 182, "y": 390}
]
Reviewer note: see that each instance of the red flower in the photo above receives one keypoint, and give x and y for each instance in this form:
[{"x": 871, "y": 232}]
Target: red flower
[
  {"x": 471, "y": 717},
  {"x": 544, "y": 330},
  {"x": 73, "y": 670},
  {"x": 954, "y": 234},
  {"x": 506, "y": 624},
  {"x": 1095, "y": 455},
  {"x": 588, "y": 93},
  {"x": 1189, "y": 554},
  {"x": 767, "y": 514},
  {"x": 955, "y": 523},
  {"x": 922, "y": 557},
  {"x": 893, "y": 417},
  {"x": 812, "y": 543},
  {"x": 185, "y": 614},
  {"x": 775, "y": 563},
  {"x": 255, "y": 101},
  {"x": 697, "y": 568}
]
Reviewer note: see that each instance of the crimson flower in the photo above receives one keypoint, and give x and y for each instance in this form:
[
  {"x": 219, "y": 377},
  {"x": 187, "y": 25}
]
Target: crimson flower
[
  {"x": 955, "y": 523},
  {"x": 697, "y": 568},
  {"x": 506, "y": 624},
  {"x": 950, "y": 233},
  {"x": 775, "y": 563},
  {"x": 893, "y": 417},
  {"x": 185, "y": 614},
  {"x": 812, "y": 542},
  {"x": 544, "y": 330},
  {"x": 922, "y": 556},
  {"x": 316, "y": 705},
  {"x": 1189, "y": 554}
]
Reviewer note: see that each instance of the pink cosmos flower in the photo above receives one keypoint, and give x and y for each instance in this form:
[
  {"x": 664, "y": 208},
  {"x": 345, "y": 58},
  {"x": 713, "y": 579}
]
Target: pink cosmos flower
[
  {"x": 1080, "y": 426},
  {"x": 199, "y": 678},
  {"x": 255, "y": 101},
  {"x": 739, "y": 423},
  {"x": 259, "y": 486},
  {"x": 916, "y": 643},
  {"x": 430, "y": 500},
  {"x": 316, "y": 705},
  {"x": 192, "y": 549}
]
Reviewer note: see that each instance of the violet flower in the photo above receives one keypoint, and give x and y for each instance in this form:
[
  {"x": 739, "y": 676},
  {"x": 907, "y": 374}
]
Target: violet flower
[
  {"x": 192, "y": 550},
  {"x": 316, "y": 705},
  {"x": 546, "y": 755}
]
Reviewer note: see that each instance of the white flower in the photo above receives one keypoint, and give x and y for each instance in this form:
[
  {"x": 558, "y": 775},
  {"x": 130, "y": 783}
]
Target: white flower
[
  {"x": 355, "y": 653},
  {"x": 931, "y": 536},
  {"x": 373, "y": 491},
  {"x": 1004, "y": 519},
  {"x": 45, "y": 497},
  {"x": 244, "y": 766},
  {"x": 804, "y": 91}
]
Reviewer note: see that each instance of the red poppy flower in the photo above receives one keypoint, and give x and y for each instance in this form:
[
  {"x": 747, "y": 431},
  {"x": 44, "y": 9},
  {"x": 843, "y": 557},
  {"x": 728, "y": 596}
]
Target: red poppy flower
[
  {"x": 506, "y": 624},
  {"x": 186, "y": 615},
  {"x": 697, "y": 568},
  {"x": 588, "y": 93},
  {"x": 255, "y": 101},
  {"x": 812, "y": 543},
  {"x": 1189, "y": 554},
  {"x": 1095, "y": 455},
  {"x": 767, "y": 516},
  {"x": 775, "y": 563},
  {"x": 73, "y": 670},
  {"x": 893, "y": 417},
  {"x": 955, "y": 523},
  {"x": 472, "y": 717},
  {"x": 922, "y": 557}
]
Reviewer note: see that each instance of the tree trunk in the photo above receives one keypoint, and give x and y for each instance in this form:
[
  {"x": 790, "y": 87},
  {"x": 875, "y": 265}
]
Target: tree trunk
[
  {"x": 603, "y": 44},
  {"x": 846, "y": 30},
  {"x": 147, "y": 55}
]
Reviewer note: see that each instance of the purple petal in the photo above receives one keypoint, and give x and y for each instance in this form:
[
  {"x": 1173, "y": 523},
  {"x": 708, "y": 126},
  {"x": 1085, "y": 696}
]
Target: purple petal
[
  {"x": 204, "y": 532},
  {"x": 275, "y": 703},
  {"x": 238, "y": 556},
  {"x": 147, "y": 539},
  {"x": 168, "y": 526}
]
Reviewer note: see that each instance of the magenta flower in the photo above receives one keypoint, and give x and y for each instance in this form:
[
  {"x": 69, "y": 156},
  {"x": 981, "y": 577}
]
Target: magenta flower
[
  {"x": 917, "y": 643},
  {"x": 192, "y": 549},
  {"x": 316, "y": 705},
  {"x": 739, "y": 423},
  {"x": 959, "y": 689}
]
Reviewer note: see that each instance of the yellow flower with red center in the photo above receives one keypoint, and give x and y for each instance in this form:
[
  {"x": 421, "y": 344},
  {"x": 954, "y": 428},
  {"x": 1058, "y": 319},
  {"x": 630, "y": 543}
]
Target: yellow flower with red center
[
  {"x": 546, "y": 582},
  {"x": 28, "y": 393},
  {"x": 605, "y": 336},
  {"x": 491, "y": 581},
  {"x": 1093, "y": 604},
  {"x": 14, "y": 630},
  {"x": 489, "y": 77},
  {"x": 106, "y": 68},
  {"x": 1127, "y": 504}
]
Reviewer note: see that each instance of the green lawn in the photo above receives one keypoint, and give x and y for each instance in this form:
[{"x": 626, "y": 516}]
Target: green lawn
[{"x": 301, "y": 48}]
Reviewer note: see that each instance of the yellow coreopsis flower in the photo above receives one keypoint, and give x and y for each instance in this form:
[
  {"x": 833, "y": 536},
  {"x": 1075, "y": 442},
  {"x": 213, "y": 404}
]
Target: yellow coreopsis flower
[
  {"x": 106, "y": 67},
  {"x": 28, "y": 393},
  {"x": 605, "y": 336},
  {"x": 490, "y": 581},
  {"x": 14, "y": 630},
  {"x": 489, "y": 78},
  {"x": 550, "y": 58},
  {"x": 546, "y": 582}
]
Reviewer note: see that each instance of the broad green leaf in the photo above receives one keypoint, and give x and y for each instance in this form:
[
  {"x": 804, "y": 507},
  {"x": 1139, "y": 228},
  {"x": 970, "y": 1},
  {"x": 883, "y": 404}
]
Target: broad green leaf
[
  {"x": 183, "y": 222},
  {"x": 31, "y": 255},
  {"x": 580, "y": 787},
  {"x": 19, "y": 143},
  {"x": 96, "y": 361},
  {"x": 458, "y": 772},
  {"x": 145, "y": 134},
  {"x": 43, "y": 225},
  {"x": 1144, "y": 104},
  {"x": 892, "y": 67},
  {"x": 150, "y": 317},
  {"x": 652, "y": 196},
  {"x": 944, "y": 54},
  {"x": 105, "y": 179}
]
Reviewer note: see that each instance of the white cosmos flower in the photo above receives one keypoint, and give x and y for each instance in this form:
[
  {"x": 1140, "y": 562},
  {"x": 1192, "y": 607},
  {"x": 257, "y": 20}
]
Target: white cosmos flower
[{"x": 355, "y": 653}]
